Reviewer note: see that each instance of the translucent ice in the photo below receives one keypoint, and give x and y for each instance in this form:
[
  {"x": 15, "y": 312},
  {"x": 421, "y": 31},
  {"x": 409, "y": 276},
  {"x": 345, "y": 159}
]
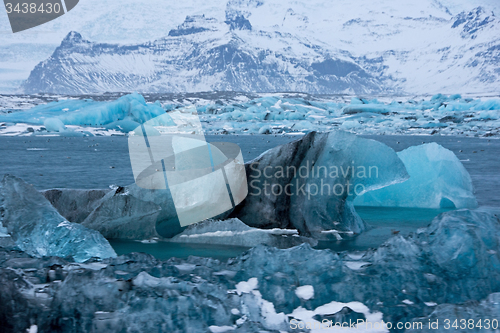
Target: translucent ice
[
  {"x": 446, "y": 115},
  {"x": 309, "y": 184},
  {"x": 121, "y": 114},
  {"x": 452, "y": 267},
  {"x": 38, "y": 229},
  {"x": 437, "y": 180}
]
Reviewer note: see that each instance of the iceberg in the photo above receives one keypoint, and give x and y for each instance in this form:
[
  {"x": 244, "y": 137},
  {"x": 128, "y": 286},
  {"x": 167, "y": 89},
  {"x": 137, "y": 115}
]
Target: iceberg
[
  {"x": 123, "y": 114},
  {"x": 437, "y": 180},
  {"x": 310, "y": 184},
  {"x": 39, "y": 230}
]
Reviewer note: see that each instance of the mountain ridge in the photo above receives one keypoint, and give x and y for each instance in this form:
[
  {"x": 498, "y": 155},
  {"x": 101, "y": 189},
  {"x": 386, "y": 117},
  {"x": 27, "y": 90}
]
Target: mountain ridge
[{"x": 247, "y": 53}]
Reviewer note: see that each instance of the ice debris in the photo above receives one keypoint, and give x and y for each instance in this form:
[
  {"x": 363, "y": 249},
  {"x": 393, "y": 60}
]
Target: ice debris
[
  {"x": 270, "y": 114},
  {"x": 454, "y": 261}
]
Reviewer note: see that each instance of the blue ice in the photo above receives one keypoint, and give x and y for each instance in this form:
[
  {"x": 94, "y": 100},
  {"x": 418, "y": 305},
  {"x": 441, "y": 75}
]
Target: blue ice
[{"x": 437, "y": 180}]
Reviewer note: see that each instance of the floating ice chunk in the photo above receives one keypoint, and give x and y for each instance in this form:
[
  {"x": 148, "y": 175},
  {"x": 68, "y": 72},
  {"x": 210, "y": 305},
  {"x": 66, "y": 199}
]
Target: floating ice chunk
[
  {"x": 38, "y": 229},
  {"x": 492, "y": 104},
  {"x": 244, "y": 287},
  {"x": 465, "y": 242},
  {"x": 310, "y": 319},
  {"x": 54, "y": 125},
  {"x": 437, "y": 180},
  {"x": 221, "y": 329},
  {"x": 236, "y": 233},
  {"x": 350, "y": 124},
  {"x": 373, "y": 108},
  {"x": 305, "y": 292},
  {"x": 118, "y": 114},
  {"x": 356, "y": 265},
  {"x": 309, "y": 184}
]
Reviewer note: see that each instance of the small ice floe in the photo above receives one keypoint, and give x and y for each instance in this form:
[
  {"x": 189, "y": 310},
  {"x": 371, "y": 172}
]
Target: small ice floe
[
  {"x": 153, "y": 240},
  {"x": 408, "y": 302},
  {"x": 221, "y": 329},
  {"x": 32, "y": 329},
  {"x": 245, "y": 287},
  {"x": 146, "y": 281},
  {"x": 235, "y": 311},
  {"x": 356, "y": 265},
  {"x": 430, "y": 303},
  {"x": 185, "y": 268},
  {"x": 356, "y": 255},
  {"x": 95, "y": 266},
  {"x": 336, "y": 233},
  {"x": 229, "y": 274},
  {"x": 305, "y": 292},
  {"x": 304, "y": 319}
]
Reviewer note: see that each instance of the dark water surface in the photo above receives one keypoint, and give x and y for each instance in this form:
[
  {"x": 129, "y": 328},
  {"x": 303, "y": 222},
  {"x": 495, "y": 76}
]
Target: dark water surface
[{"x": 97, "y": 162}]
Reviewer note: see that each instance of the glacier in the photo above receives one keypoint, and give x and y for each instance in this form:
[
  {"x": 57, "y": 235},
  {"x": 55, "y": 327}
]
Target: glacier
[
  {"x": 39, "y": 230},
  {"x": 248, "y": 114},
  {"x": 451, "y": 268},
  {"x": 437, "y": 180}
]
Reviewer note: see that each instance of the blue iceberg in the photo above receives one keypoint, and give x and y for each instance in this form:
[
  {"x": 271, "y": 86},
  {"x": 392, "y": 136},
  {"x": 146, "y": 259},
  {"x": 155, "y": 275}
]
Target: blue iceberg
[
  {"x": 124, "y": 114},
  {"x": 310, "y": 184},
  {"x": 279, "y": 114},
  {"x": 39, "y": 230},
  {"x": 437, "y": 180}
]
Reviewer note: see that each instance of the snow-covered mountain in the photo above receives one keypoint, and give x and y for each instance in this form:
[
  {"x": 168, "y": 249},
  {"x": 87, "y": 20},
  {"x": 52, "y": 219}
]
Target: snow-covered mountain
[{"x": 318, "y": 46}]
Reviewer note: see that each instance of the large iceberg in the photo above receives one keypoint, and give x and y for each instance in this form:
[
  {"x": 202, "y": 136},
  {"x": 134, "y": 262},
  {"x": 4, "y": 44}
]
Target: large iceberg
[
  {"x": 39, "y": 230},
  {"x": 437, "y": 180},
  {"x": 310, "y": 184}
]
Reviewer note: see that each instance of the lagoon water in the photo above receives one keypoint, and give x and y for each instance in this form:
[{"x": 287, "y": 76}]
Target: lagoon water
[{"x": 97, "y": 162}]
